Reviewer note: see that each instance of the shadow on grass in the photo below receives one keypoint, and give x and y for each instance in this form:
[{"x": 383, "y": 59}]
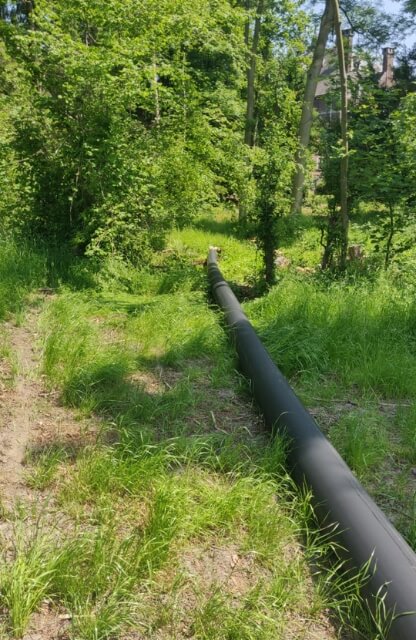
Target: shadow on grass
[
  {"x": 63, "y": 266},
  {"x": 60, "y": 450},
  {"x": 225, "y": 227},
  {"x": 182, "y": 276},
  {"x": 131, "y": 400},
  {"x": 115, "y": 304}
]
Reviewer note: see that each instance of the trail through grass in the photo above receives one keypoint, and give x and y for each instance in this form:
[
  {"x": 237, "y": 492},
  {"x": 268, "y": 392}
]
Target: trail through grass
[
  {"x": 22, "y": 269},
  {"x": 177, "y": 518}
]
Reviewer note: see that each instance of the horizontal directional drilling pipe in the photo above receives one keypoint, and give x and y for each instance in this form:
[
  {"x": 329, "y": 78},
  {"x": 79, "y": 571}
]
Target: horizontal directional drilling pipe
[{"x": 362, "y": 528}]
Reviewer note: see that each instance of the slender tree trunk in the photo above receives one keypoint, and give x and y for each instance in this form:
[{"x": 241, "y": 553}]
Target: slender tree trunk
[
  {"x": 251, "y": 75},
  {"x": 307, "y": 108},
  {"x": 390, "y": 236},
  {"x": 250, "y": 125},
  {"x": 269, "y": 267},
  {"x": 268, "y": 240},
  {"x": 156, "y": 91},
  {"x": 330, "y": 243},
  {"x": 344, "y": 220}
]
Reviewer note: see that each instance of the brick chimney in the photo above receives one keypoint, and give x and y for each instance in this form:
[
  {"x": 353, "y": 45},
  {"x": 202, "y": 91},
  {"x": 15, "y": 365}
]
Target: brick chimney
[
  {"x": 348, "y": 35},
  {"x": 388, "y": 72}
]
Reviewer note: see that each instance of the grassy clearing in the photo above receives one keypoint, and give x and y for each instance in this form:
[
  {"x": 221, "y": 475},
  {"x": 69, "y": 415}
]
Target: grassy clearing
[
  {"x": 349, "y": 349},
  {"x": 180, "y": 520}
]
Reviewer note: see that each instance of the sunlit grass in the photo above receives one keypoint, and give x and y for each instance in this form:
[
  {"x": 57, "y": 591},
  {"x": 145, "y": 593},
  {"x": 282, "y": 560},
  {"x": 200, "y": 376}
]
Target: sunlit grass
[
  {"x": 21, "y": 270},
  {"x": 179, "y": 473},
  {"x": 25, "y": 580},
  {"x": 361, "y": 437},
  {"x": 143, "y": 511},
  {"x": 363, "y": 334}
]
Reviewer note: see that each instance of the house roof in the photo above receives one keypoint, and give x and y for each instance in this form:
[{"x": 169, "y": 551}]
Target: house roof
[{"x": 384, "y": 71}]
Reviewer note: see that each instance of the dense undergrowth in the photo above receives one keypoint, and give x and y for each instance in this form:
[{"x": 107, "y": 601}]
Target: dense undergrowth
[
  {"x": 22, "y": 269},
  {"x": 360, "y": 335},
  {"x": 177, "y": 518}
]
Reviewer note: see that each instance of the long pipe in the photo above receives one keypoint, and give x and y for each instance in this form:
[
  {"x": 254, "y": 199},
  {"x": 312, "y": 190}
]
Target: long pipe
[{"x": 362, "y": 528}]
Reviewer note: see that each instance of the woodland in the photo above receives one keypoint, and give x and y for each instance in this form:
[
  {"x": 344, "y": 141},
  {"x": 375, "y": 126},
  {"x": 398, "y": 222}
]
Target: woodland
[
  {"x": 140, "y": 496},
  {"x": 120, "y": 124}
]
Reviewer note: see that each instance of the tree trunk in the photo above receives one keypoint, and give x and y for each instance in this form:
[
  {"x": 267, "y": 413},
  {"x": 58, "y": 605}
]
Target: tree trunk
[
  {"x": 268, "y": 242},
  {"x": 330, "y": 243},
  {"x": 344, "y": 220},
  {"x": 251, "y": 75},
  {"x": 307, "y": 108},
  {"x": 250, "y": 125},
  {"x": 156, "y": 91},
  {"x": 390, "y": 236}
]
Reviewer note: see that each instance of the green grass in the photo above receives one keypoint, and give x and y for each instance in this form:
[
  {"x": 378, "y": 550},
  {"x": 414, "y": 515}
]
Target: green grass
[
  {"x": 8, "y": 368},
  {"x": 361, "y": 437},
  {"x": 44, "y": 466},
  {"x": 134, "y": 360},
  {"x": 363, "y": 335},
  {"x": 184, "y": 473},
  {"x": 406, "y": 423},
  {"x": 143, "y": 514},
  {"x": 22, "y": 269},
  {"x": 180, "y": 521},
  {"x": 26, "y": 581}
]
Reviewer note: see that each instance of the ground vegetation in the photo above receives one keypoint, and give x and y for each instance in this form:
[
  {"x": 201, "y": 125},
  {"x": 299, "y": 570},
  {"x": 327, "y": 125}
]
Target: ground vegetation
[{"x": 141, "y": 496}]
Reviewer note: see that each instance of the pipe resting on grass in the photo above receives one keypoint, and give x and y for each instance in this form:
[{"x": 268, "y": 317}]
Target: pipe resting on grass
[{"x": 362, "y": 529}]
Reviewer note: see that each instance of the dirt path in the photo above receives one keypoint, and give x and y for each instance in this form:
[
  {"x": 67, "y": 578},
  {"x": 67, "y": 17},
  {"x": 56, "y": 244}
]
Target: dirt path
[
  {"x": 16, "y": 417},
  {"x": 31, "y": 418},
  {"x": 30, "y": 415}
]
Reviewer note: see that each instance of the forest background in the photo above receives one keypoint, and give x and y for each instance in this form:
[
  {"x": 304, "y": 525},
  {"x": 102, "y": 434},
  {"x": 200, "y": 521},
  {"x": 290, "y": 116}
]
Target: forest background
[
  {"x": 120, "y": 124},
  {"x": 133, "y": 134}
]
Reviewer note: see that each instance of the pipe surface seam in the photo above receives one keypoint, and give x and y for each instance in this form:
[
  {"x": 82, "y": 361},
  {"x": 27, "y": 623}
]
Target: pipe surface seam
[{"x": 362, "y": 528}]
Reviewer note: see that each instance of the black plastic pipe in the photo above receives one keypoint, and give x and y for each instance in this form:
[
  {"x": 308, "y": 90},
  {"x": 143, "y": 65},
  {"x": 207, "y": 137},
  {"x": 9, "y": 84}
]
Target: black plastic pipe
[{"x": 362, "y": 528}]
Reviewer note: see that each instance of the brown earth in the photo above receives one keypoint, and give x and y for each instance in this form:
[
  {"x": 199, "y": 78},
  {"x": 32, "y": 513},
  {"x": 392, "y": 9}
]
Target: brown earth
[
  {"x": 32, "y": 419},
  {"x": 30, "y": 415}
]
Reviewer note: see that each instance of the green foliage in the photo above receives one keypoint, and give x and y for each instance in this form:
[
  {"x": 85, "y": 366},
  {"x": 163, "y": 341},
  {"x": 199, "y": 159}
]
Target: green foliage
[
  {"x": 381, "y": 161},
  {"x": 361, "y": 439},
  {"x": 277, "y": 112},
  {"x": 371, "y": 23},
  {"x": 118, "y": 125},
  {"x": 377, "y": 171},
  {"x": 22, "y": 269},
  {"x": 25, "y": 582},
  {"x": 404, "y": 119},
  {"x": 364, "y": 335},
  {"x": 410, "y": 6},
  {"x": 274, "y": 180},
  {"x": 110, "y": 137}
]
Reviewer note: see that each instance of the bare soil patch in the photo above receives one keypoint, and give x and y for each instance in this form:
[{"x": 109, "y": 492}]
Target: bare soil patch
[
  {"x": 48, "y": 624},
  {"x": 32, "y": 420},
  {"x": 30, "y": 415}
]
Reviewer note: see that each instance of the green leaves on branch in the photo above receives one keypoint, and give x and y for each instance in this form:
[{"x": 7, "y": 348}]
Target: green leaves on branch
[{"x": 120, "y": 122}]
